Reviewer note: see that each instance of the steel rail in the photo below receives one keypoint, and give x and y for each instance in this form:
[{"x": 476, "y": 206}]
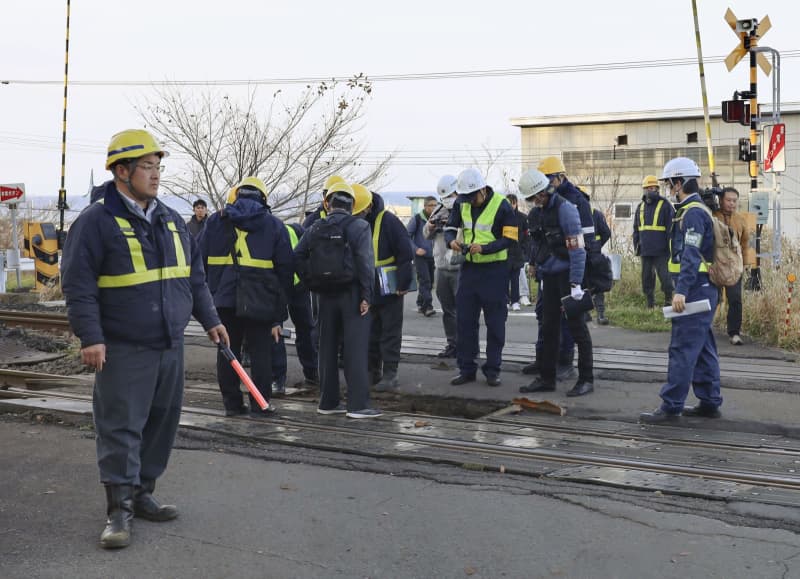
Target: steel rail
[
  {"x": 36, "y": 320},
  {"x": 488, "y": 449}
]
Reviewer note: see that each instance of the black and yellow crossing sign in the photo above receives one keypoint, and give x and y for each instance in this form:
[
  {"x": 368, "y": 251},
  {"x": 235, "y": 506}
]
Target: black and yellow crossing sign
[{"x": 749, "y": 31}]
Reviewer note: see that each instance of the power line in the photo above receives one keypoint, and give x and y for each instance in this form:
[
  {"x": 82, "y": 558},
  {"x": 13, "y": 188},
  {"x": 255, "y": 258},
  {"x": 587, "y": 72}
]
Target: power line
[{"x": 445, "y": 75}]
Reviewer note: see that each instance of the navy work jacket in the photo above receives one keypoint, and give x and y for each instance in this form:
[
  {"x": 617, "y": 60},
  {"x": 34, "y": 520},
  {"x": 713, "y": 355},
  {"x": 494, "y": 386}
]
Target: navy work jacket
[
  {"x": 652, "y": 222},
  {"x": 558, "y": 214},
  {"x": 392, "y": 241},
  {"x": 133, "y": 281},
  {"x": 267, "y": 240}
]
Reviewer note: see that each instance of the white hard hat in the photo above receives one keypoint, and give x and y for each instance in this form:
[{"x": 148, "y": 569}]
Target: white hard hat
[
  {"x": 680, "y": 167},
  {"x": 469, "y": 181},
  {"x": 446, "y": 186},
  {"x": 532, "y": 182}
]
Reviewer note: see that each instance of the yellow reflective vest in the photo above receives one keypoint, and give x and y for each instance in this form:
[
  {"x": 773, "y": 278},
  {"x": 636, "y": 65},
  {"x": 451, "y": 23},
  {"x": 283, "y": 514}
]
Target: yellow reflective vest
[{"x": 480, "y": 231}]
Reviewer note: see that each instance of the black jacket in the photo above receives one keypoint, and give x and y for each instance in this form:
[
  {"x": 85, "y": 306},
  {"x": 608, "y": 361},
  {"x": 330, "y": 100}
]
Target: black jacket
[
  {"x": 359, "y": 238},
  {"x": 393, "y": 241}
]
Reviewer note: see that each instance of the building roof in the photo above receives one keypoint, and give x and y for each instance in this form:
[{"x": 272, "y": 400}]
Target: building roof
[{"x": 634, "y": 116}]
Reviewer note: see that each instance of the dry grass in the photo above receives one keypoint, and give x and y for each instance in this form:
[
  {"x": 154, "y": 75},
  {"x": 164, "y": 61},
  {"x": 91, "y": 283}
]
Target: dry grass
[
  {"x": 764, "y": 316},
  {"x": 765, "y": 312}
]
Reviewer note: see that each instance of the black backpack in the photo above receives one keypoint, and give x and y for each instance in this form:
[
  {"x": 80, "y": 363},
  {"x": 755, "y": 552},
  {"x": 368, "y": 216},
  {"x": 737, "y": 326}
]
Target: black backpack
[{"x": 330, "y": 262}]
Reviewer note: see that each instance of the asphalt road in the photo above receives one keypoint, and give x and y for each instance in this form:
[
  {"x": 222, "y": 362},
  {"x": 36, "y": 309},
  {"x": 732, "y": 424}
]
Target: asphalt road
[{"x": 249, "y": 516}]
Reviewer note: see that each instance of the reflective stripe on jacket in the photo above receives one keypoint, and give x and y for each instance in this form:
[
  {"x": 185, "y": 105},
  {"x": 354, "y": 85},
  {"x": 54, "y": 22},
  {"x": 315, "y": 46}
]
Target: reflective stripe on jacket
[
  {"x": 126, "y": 279},
  {"x": 691, "y": 243}
]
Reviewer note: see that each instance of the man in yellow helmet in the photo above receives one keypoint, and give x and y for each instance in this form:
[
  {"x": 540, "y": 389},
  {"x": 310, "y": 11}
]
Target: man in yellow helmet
[
  {"x": 335, "y": 259},
  {"x": 132, "y": 278},
  {"x": 245, "y": 241},
  {"x": 652, "y": 221},
  {"x": 322, "y": 211},
  {"x": 393, "y": 256}
]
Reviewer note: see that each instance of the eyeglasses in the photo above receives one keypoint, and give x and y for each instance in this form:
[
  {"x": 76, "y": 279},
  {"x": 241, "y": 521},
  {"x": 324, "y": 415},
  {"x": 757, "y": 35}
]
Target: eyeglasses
[{"x": 149, "y": 167}]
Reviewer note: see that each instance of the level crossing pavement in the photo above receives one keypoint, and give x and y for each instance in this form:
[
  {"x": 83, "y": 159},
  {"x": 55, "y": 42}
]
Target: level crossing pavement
[{"x": 760, "y": 385}]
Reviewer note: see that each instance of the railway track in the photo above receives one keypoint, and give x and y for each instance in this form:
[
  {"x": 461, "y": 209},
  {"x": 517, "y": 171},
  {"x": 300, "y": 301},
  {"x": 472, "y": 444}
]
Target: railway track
[
  {"x": 711, "y": 464},
  {"x": 604, "y": 358},
  {"x": 36, "y": 320}
]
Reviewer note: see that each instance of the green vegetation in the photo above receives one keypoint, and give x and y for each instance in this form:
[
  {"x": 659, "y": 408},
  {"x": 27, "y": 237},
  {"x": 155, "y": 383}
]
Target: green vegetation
[{"x": 26, "y": 277}]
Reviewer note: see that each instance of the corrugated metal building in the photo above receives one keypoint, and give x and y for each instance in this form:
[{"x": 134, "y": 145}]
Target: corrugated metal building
[{"x": 609, "y": 154}]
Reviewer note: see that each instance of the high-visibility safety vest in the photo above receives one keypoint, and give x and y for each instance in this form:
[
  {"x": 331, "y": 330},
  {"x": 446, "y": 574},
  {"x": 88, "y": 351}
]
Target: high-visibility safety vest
[
  {"x": 293, "y": 240},
  {"x": 376, "y": 233},
  {"x": 243, "y": 256},
  {"x": 480, "y": 231},
  {"x": 676, "y": 267},
  {"x": 654, "y": 225},
  {"x": 141, "y": 273}
]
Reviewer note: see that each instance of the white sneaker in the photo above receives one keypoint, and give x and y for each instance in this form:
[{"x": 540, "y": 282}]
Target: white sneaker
[
  {"x": 525, "y": 301},
  {"x": 736, "y": 340},
  {"x": 515, "y": 306}
]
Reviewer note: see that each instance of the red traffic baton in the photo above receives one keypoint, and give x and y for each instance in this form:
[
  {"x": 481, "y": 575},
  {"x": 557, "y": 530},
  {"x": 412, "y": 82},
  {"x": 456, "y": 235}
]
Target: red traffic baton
[{"x": 240, "y": 371}]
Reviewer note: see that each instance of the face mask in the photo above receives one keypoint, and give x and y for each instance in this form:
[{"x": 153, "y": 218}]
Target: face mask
[
  {"x": 448, "y": 202},
  {"x": 651, "y": 195}
]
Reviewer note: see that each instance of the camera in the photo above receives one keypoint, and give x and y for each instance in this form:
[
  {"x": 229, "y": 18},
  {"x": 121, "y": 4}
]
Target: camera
[{"x": 711, "y": 197}]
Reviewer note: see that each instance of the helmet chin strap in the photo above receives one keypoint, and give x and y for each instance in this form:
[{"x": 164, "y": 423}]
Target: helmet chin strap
[{"x": 129, "y": 184}]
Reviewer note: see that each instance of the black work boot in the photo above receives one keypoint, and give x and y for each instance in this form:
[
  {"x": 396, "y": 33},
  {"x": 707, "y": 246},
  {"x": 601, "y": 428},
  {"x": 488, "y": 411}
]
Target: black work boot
[
  {"x": 117, "y": 533},
  {"x": 601, "y": 317},
  {"x": 145, "y": 506}
]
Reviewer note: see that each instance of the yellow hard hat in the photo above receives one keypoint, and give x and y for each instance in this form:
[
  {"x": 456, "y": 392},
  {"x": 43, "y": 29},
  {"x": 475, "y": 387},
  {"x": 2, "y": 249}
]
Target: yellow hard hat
[
  {"x": 551, "y": 166},
  {"x": 340, "y": 187},
  {"x": 362, "y": 199},
  {"x": 253, "y": 182},
  {"x": 650, "y": 181},
  {"x": 332, "y": 180},
  {"x": 132, "y": 144}
]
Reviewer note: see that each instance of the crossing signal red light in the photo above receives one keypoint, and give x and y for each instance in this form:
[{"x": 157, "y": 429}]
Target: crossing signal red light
[{"x": 736, "y": 111}]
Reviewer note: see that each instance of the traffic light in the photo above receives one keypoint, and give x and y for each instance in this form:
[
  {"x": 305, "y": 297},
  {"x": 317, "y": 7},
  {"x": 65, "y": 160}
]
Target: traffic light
[
  {"x": 736, "y": 111},
  {"x": 744, "y": 150}
]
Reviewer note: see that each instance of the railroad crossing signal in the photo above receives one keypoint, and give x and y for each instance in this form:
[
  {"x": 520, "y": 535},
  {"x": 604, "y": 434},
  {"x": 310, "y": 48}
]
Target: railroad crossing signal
[{"x": 743, "y": 29}]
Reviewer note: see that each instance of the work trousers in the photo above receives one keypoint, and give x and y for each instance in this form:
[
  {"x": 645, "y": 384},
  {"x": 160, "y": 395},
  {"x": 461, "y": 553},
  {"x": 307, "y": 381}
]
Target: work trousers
[
  {"x": 513, "y": 284},
  {"x": 733, "y": 295},
  {"x": 652, "y": 266},
  {"x": 386, "y": 334},
  {"x": 693, "y": 358},
  {"x": 425, "y": 271},
  {"x": 566, "y": 348},
  {"x": 341, "y": 322},
  {"x": 137, "y": 406},
  {"x": 481, "y": 287},
  {"x": 553, "y": 288},
  {"x": 258, "y": 342},
  {"x": 304, "y": 340},
  {"x": 446, "y": 289}
]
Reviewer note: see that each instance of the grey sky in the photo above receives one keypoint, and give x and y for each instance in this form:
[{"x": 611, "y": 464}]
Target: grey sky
[{"x": 434, "y": 124}]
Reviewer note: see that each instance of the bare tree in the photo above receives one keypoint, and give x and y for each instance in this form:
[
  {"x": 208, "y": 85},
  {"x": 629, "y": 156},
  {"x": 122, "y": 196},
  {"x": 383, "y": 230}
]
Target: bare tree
[
  {"x": 605, "y": 188},
  {"x": 495, "y": 169},
  {"x": 293, "y": 147}
]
